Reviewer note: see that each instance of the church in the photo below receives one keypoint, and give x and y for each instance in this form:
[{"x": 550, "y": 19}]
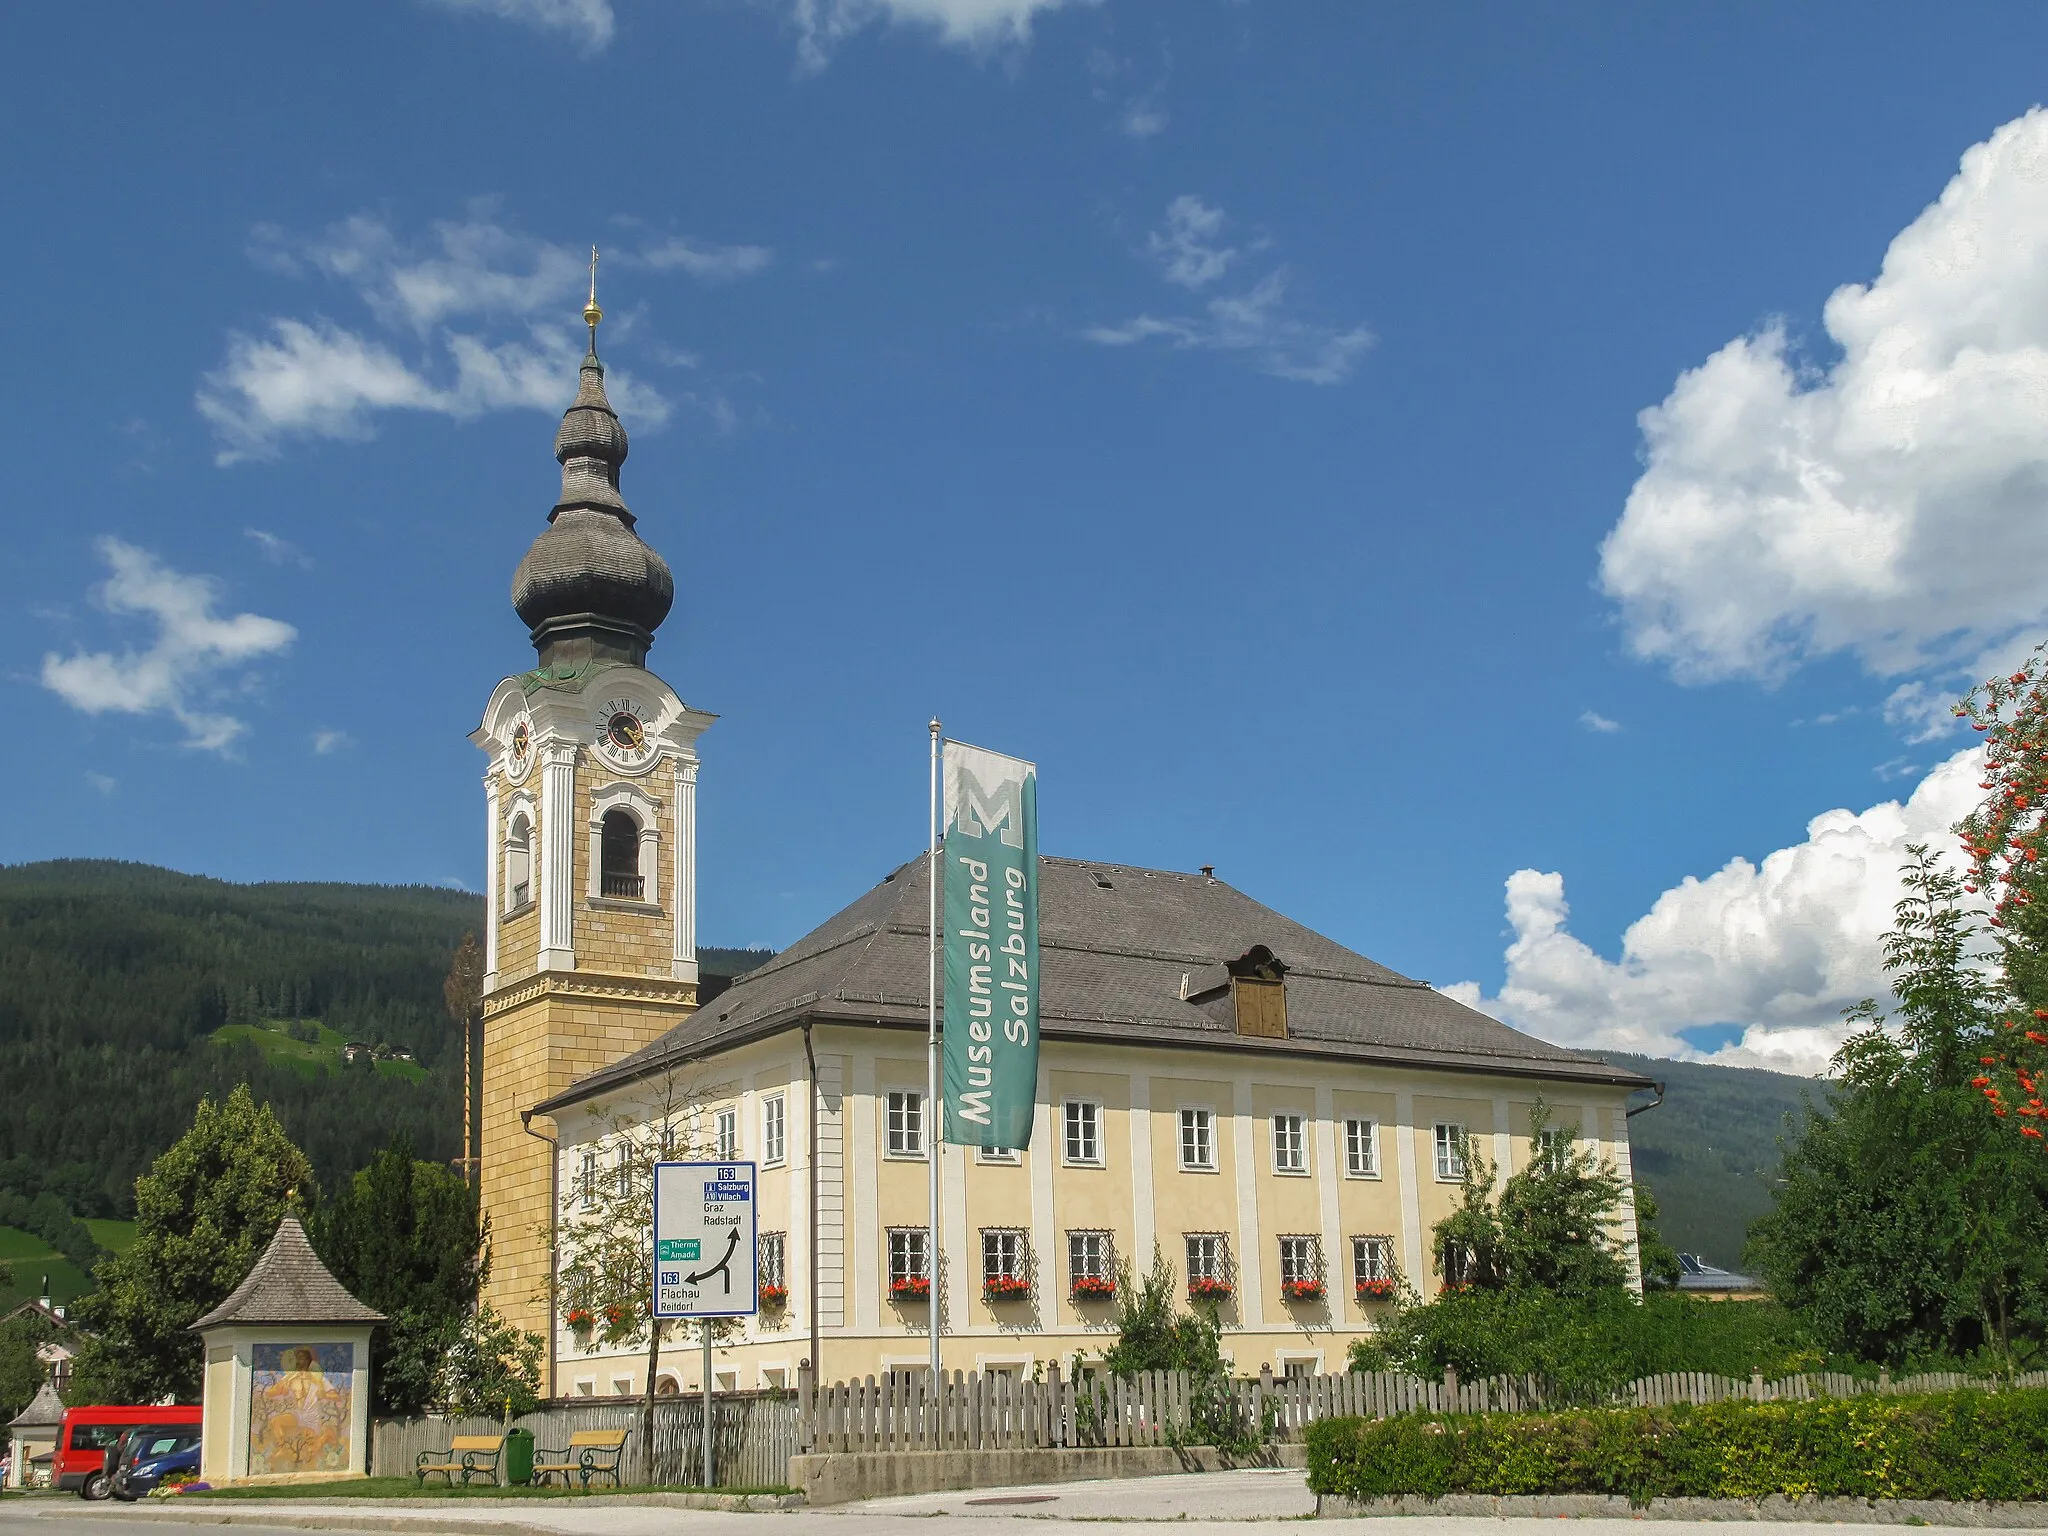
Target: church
[{"x": 1278, "y": 1117}]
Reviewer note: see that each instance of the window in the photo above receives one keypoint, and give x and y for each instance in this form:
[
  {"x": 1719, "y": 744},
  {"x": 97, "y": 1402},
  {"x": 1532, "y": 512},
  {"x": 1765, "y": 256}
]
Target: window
[
  {"x": 1301, "y": 1261},
  {"x": 1454, "y": 1263},
  {"x": 1084, "y": 1131},
  {"x": 588, "y": 1183},
  {"x": 906, "y": 1254},
  {"x": 726, "y": 1138},
  {"x": 773, "y": 1119},
  {"x": 1003, "y": 1155},
  {"x": 1002, "y": 1255},
  {"x": 1089, "y": 1257},
  {"x": 1362, "y": 1149},
  {"x": 620, "y": 842},
  {"x": 1372, "y": 1260},
  {"x": 769, "y": 1261},
  {"x": 1198, "y": 1139},
  {"x": 1288, "y": 1154},
  {"x": 1555, "y": 1148},
  {"x": 623, "y": 1170},
  {"x": 1208, "y": 1257},
  {"x": 518, "y": 863},
  {"x": 906, "y": 1124},
  {"x": 1450, "y": 1153}
]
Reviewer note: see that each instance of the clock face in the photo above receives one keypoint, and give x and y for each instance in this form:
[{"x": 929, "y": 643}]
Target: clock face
[
  {"x": 620, "y": 733},
  {"x": 519, "y": 749}
]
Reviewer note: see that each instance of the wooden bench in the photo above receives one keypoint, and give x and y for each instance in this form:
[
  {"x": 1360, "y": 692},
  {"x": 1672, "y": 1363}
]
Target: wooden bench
[
  {"x": 477, "y": 1456},
  {"x": 590, "y": 1453}
]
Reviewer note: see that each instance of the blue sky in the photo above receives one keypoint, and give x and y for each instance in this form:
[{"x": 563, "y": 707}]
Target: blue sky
[{"x": 1283, "y": 366}]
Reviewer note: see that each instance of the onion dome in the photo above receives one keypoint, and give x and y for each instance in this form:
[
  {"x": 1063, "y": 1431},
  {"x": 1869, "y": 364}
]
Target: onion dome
[{"x": 589, "y": 588}]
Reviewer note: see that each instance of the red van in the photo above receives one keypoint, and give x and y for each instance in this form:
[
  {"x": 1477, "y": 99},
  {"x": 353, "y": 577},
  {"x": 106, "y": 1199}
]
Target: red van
[{"x": 89, "y": 1433}]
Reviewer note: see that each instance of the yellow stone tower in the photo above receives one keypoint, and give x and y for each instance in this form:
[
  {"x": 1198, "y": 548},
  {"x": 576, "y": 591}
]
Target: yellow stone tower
[{"x": 591, "y": 948}]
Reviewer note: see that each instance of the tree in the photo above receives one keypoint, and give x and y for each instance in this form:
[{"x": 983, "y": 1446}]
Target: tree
[
  {"x": 1657, "y": 1259},
  {"x": 1909, "y": 1225},
  {"x": 405, "y": 1237},
  {"x": 204, "y": 1212},
  {"x": 463, "y": 993},
  {"x": 490, "y": 1368},
  {"x": 1153, "y": 1334},
  {"x": 21, "y": 1371},
  {"x": 1550, "y": 1227},
  {"x": 607, "y": 1274}
]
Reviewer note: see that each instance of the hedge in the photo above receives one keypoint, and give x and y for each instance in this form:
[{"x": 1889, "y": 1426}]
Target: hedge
[{"x": 1955, "y": 1445}]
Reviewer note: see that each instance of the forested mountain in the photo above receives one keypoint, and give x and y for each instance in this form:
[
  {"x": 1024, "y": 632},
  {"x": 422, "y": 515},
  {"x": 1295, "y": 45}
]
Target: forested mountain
[
  {"x": 127, "y": 992},
  {"x": 1710, "y": 1151}
]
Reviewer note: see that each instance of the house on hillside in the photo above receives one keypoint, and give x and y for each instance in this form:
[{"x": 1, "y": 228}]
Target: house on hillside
[{"x": 1279, "y": 1117}]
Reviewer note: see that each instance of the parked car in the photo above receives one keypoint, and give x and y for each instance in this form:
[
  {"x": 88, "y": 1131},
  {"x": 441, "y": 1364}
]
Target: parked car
[
  {"x": 89, "y": 1433},
  {"x": 144, "y": 1457}
]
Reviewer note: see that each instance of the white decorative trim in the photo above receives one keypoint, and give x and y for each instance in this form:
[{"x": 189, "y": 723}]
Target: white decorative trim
[
  {"x": 1503, "y": 1143},
  {"x": 686, "y": 868},
  {"x": 492, "y": 864},
  {"x": 865, "y": 1276},
  {"x": 1329, "y": 1134},
  {"x": 1144, "y": 1233},
  {"x": 557, "y": 859},
  {"x": 644, "y": 809},
  {"x": 1251, "y": 1290},
  {"x": 1043, "y": 1224},
  {"x": 962, "y": 1279},
  {"x": 1624, "y": 1165},
  {"x": 1405, "y": 1132},
  {"x": 517, "y": 804}
]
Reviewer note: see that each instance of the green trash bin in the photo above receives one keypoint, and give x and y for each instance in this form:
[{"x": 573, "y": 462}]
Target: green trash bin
[{"x": 519, "y": 1457}]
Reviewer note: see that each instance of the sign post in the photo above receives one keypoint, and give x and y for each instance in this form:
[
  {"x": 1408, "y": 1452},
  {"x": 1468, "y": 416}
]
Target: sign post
[{"x": 705, "y": 1219}]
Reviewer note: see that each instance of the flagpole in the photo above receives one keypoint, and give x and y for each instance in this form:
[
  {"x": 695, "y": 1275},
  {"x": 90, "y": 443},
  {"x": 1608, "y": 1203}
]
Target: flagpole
[{"x": 933, "y": 1110}]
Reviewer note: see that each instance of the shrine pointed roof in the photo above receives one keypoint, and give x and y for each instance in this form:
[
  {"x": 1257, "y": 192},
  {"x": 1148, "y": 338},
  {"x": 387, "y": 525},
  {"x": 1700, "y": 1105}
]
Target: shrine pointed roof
[{"x": 289, "y": 1284}]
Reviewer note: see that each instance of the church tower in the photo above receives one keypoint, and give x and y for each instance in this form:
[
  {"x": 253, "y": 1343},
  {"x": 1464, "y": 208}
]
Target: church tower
[{"x": 591, "y": 793}]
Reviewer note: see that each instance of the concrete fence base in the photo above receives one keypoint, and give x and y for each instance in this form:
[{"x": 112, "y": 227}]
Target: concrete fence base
[
  {"x": 846, "y": 1476},
  {"x": 1581, "y": 1506}
]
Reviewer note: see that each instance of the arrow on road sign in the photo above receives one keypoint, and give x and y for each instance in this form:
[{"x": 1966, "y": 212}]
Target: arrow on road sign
[{"x": 723, "y": 1266}]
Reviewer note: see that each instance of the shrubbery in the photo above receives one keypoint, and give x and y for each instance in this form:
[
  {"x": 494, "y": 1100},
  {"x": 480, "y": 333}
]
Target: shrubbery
[
  {"x": 1585, "y": 1347},
  {"x": 1959, "y": 1445}
]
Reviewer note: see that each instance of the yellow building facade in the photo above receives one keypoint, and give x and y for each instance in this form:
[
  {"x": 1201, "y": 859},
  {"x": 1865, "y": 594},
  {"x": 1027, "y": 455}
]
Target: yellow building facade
[{"x": 1279, "y": 1118}]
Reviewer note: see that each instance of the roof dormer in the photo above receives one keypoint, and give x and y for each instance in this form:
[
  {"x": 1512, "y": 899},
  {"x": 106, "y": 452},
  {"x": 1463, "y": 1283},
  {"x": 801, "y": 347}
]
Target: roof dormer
[{"x": 1250, "y": 992}]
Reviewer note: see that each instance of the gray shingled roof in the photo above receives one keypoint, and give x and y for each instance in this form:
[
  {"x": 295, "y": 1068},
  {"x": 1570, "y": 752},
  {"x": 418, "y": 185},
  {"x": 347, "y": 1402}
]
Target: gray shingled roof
[
  {"x": 44, "y": 1411},
  {"x": 289, "y": 1284},
  {"x": 1115, "y": 943}
]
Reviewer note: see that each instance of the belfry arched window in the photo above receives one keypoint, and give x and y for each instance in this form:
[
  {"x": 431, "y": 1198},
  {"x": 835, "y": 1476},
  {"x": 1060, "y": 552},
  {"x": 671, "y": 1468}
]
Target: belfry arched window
[
  {"x": 518, "y": 860},
  {"x": 619, "y": 845}
]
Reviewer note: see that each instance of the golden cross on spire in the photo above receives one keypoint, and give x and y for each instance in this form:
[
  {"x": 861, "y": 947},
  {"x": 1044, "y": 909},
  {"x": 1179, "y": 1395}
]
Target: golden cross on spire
[{"x": 591, "y": 313}]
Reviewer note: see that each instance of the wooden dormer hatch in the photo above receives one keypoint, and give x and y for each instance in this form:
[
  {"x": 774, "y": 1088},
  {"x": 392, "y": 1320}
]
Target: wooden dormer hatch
[{"x": 1253, "y": 987}]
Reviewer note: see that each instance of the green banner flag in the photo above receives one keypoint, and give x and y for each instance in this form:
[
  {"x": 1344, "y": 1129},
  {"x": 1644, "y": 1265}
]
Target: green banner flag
[{"x": 990, "y": 928}]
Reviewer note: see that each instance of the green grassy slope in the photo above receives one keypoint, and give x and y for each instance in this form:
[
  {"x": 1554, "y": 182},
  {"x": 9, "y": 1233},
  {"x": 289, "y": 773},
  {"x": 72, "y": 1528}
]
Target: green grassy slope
[{"x": 1710, "y": 1151}]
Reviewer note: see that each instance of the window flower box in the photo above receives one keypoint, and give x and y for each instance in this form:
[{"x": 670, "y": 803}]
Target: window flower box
[
  {"x": 580, "y": 1320},
  {"x": 1302, "y": 1290},
  {"x": 1206, "y": 1289},
  {"x": 617, "y": 1316},
  {"x": 911, "y": 1288},
  {"x": 775, "y": 1296},
  {"x": 1376, "y": 1290},
  {"x": 1094, "y": 1288},
  {"x": 1006, "y": 1288}
]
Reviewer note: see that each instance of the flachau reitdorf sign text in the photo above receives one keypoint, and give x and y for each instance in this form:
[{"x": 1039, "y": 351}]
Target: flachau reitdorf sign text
[{"x": 990, "y": 927}]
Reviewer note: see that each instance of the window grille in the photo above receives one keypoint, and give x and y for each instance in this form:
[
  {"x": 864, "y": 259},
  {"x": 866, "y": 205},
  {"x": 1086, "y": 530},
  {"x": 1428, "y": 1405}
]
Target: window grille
[
  {"x": 1372, "y": 1259},
  {"x": 1002, "y": 1254},
  {"x": 770, "y": 1261},
  {"x": 619, "y": 846},
  {"x": 1090, "y": 1256},
  {"x": 1208, "y": 1257},
  {"x": 907, "y": 1255}
]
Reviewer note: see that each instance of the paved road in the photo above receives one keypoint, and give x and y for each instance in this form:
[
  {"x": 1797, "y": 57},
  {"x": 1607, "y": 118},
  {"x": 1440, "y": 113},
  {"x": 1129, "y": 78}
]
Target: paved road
[{"x": 1225, "y": 1503}]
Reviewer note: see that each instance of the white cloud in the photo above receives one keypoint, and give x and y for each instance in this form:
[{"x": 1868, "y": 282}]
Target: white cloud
[
  {"x": 192, "y": 655},
  {"x": 710, "y": 263},
  {"x": 106, "y": 784},
  {"x": 589, "y": 22},
  {"x": 1892, "y": 504},
  {"x": 976, "y": 25},
  {"x": 1188, "y": 246},
  {"x": 1252, "y": 323},
  {"x": 1779, "y": 948},
  {"x": 1598, "y": 723},
  {"x": 315, "y": 378},
  {"x": 279, "y": 551},
  {"x": 327, "y": 741},
  {"x": 1143, "y": 118}
]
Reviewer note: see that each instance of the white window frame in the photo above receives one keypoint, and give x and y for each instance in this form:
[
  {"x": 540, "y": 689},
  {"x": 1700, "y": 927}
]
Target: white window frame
[
  {"x": 588, "y": 1180},
  {"x": 520, "y": 822},
  {"x": 1086, "y": 1115},
  {"x": 1197, "y": 1125},
  {"x": 906, "y": 1255},
  {"x": 1361, "y": 1147},
  {"x": 1372, "y": 1258},
  {"x": 772, "y": 1259},
  {"x": 622, "y": 1169},
  {"x": 1290, "y": 1139},
  {"x": 725, "y": 1134},
  {"x": 1005, "y": 1254},
  {"x": 1451, "y": 1140},
  {"x": 646, "y": 811},
  {"x": 1301, "y": 1257},
  {"x": 903, "y": 1125},
  {"x": 1555, "y": 1147},
  {"x": 1214, "y": 1250},
  {"x": 1084, "y": 1265},
  {"x": 1000, "y": 1157},
  {"x": 774, "y": 1130}
]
